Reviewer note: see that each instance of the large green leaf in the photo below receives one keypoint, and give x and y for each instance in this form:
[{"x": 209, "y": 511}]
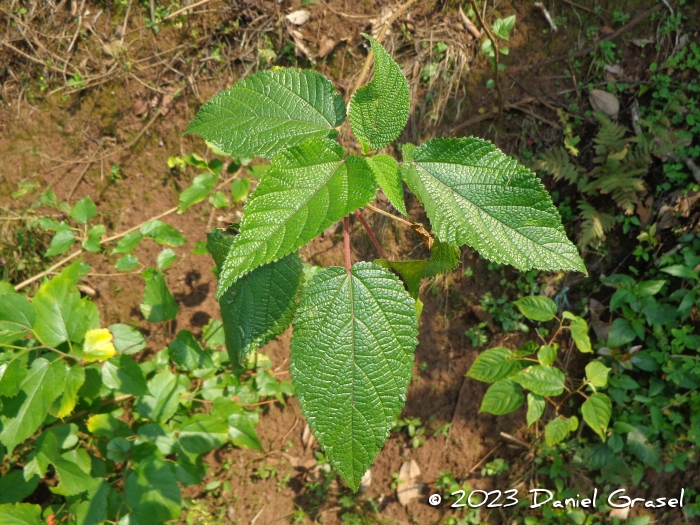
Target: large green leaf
[
  {"x": 20, "y": 514},
  {"x": 493, "y": 364},
  {"x": 84, "y": 210},
  {"x": 270, "y": 111},
  {"x": 537, "y": 307},
  {"x": 202, "y": 433},
  {"x": 379, "y": 111},
  {"x": 474, "y": 194},
  {"x": 535, "y": 408},
  {"x": 72, "y": 478},
  {"x": 557, "y": 430},
  {"x": 124, "y": 375},
  {"x": 260, "y": 305},
  {"x": 65, "y": 404},
  {"x": 14, "y": 488},
  {"x": 61, "y": 314},
  {"x": 158, "y": 303},
  {"x": 596, "y": 411},
  {"x": 597, "y": 373},
  {"x": 352, "y": 354},
  {"x": 502, "y": 398},
  {"x": 386, "y": 171},
  {"x": 152, "y": 491},
  {"x": 444, "y": 258},
  {"x": 541, "y": 380},
  {"x": 307, "y": 189},
  {"x": 16, "y": 313},
  {"x": 187, "y": 354},
  {"x": 24, "y": 413},
  {"x": 163, "y": 399}
]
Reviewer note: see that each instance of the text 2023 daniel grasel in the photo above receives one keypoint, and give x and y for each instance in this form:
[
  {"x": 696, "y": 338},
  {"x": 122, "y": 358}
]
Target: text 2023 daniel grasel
[{"x": 616, "y": 499}]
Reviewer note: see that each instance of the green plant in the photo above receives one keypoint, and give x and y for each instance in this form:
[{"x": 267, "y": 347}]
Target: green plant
[{"x": 350, "y": 377}]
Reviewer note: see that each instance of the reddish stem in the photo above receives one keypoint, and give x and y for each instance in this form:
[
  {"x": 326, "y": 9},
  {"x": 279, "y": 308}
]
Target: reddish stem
[
  {"x": 346, "y": 241},
  {"x": 371, "y": 235}
]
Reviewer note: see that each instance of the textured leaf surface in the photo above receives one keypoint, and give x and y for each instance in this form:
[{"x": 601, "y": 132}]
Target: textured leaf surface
[
  {"x": 308, "y": 188},
  {"x": 386, "y": 171},
  {"x": 379, "y": 111},
  {"x": 502, "y": 397},
  {"x": 260, "y": 305},
  {"x": 270, "y": 111},
  {"x": 352, "y": 353},
  {"x": 474, "y": 194},
  {"x": 556, "y": 430},
  {"x": 493, "y": 364},
  {"x": 537, "y": 307},
  {"x": 541, "y": 380},
  {"x": 444, "y": 258},
  {"x": 25, "y": 412},
  {"x": 596, "y": 411},
  {"x": 535, "y": 408}
]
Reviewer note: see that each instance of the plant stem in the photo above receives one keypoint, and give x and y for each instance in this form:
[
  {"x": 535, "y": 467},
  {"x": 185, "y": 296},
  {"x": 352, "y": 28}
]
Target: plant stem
[
  {"x": 371, "y": 235},
  {"x": 496, "y": 53},
  {"x": 387, "y": 214},
  {"x": 346, "y": 242}
]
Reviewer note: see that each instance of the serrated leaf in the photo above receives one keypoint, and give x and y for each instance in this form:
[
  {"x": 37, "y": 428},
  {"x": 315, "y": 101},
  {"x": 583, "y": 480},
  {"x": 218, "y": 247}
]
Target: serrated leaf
[
  {"x": 219, "y": 200},
  {"x": 493, "y": 364},
  {"x": 14, "y": 488},
  {"x": 596, "y": 411},
  {"x": 94, "y": 234},
  {"x": 158, "y": 303},
  {"x": 84, "y": 210},
  {"x": 386, "y": 171},
  {"x": 352, "y": 354},
  {"x": 65, "y": 404},
  {"x": 269, "y": 111},
  {"x": 474, "y": 194},
  {"x": 127, "y": 263},
  {"x": 546, "y": 355},
  {"x": 379, "y": 111},
  {"x": 537, "y": 307},
  {"x": 444, "y": 258},
  {"x": 242, "y": 432},
  {"x": 16, "y": 313},
  {"x": 106, "y": 425},
  {"x": 535, "y": 408},
  {"x": 502, "y": 398},
  {"x": 597, "y": 373},
  {"x": 127, "y": 340},
  {"x": 118, "y": 448},
  {"x": 98, "y": 345},
  {"x": 185, "y": 352},
  {"x": 201, "y": 187},
  {"x": 541, "y": 380},
  {"x": 124, "y": 375},
  {"x": 60, "y": 242},
  {"x": 556, "y": 430},
  {"x": 308, "y": 188},
  {"x": 152, "y": 492},
  {"x": 411, "y": 272},
  {"x": 127, "y": 243},
  {"x": 162, "y": 233},
  {"x": 24, "y": 413},
  {"x": 20, "y": 514},
  {"x": 73, "y": 479},
  {"x": 11, "y": 377}
]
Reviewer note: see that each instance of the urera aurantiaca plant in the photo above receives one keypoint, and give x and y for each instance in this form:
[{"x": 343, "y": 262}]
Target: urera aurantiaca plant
[{"x": 355, "y": 328}]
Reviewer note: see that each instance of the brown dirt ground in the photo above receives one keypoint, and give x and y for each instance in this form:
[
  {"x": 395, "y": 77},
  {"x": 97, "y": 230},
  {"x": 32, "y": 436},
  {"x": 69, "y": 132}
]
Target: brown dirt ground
[{"x": 47, "y": 140}]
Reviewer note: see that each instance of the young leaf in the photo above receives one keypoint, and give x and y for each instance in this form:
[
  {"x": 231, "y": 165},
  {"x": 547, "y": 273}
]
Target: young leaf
[
  {"x": 493, "y": 364},
  {"x": 260, "y": 305},
  {"x": 163, "y": 399},
  {"x": 239, "y": 189},
  {"x": 444, "y": 258},
  {"x": 98, "y": 345},
  {"x": 556, "y": 430},
  {"x": 537, "y": 307},
  {"x": 124, "y": 375},
  {"x": 201, "y": 187},
  {"x": 352, "y": 353},
  {"x": 307, "y": 189},
  {"x": 187, "y": 354},
  {"x": 269, "y": 111},
  {"x": 579, "y": 333},
  {"x": 16, "y": 313},
  {"x": 158, "y": 303},
  {"x": 152, "y": 492},
  {"x": 60, "y": 242},
  {"x": 386, "y": 171},
  {"x": 474, "y": 194},
  {"x": 94, "y": 234},
  {"x": 597, "y": 373},
  {"x": 65, "y": 404},
  {"x": 165, "y": 259},
  {"x": 541, "y": 380},
  {"x": 546, "y": 355},
  {"x": 596, "y": 411},
  {"x": 379, "y": 111},
  {"x": 162, "y": 233},
  {"x": 83, "y": 211},
  {"x": 535, "y": 408},
  {"x": 127, "y": 243},
  {"x": 127, "y": 263},
  {"x": 502, "y": 398},
  {"x": 42, "y": 385}
]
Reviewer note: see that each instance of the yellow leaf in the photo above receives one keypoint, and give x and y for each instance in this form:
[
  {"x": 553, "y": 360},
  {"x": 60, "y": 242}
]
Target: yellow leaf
[{"x": 98, "y": 345}]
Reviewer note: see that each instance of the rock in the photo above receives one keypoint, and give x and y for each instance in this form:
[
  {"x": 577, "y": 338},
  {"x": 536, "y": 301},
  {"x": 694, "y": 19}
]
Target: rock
[
  {"x": 606, "y": 102},
  {"x": 407, "y": 488}
]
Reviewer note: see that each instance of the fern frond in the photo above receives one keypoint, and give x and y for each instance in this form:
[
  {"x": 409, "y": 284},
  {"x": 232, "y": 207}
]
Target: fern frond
[
  {"x": 557, "y": 162},
  {"x": 594, "y": 226},
  {"x": 609, "y": 140}
]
